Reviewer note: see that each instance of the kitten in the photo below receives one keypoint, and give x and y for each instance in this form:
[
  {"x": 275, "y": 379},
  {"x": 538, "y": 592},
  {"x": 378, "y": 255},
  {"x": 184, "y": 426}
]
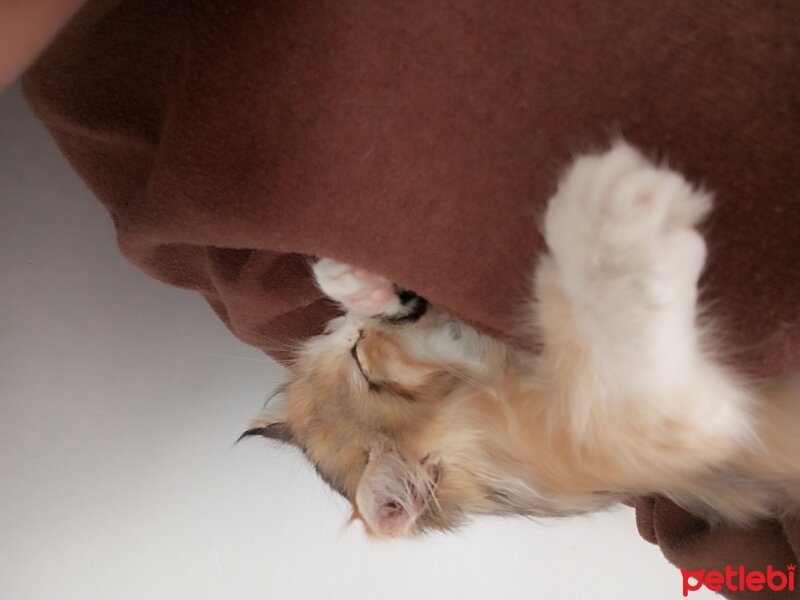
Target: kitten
[{"x": 421, "y": 421}]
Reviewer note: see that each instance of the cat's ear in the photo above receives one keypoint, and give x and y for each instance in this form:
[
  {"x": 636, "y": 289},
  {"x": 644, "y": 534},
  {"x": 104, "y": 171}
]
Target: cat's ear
[
  {"x": 272, "y": 423},
  {"x": 273, "y": 431},
  {"x": 392, "y": 493}
]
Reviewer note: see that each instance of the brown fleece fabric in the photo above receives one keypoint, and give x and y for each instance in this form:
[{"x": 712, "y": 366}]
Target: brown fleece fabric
[{"x": 422, "y": 139}]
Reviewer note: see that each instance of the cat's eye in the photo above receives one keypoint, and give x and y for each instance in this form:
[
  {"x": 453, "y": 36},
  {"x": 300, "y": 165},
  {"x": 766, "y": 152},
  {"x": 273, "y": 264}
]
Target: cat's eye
[{"x": 354, "y": 353}]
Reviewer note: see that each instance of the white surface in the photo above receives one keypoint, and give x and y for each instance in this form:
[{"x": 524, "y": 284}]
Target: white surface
[{"x": 120, "y": 398}]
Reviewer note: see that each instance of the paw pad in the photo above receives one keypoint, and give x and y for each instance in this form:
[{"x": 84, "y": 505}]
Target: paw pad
[{"x": 359, "y": 290}]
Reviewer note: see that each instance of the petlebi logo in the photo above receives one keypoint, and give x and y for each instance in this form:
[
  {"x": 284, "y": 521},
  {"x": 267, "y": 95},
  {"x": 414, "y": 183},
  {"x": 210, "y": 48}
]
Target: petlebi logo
[{"x": 739, "y": 579}]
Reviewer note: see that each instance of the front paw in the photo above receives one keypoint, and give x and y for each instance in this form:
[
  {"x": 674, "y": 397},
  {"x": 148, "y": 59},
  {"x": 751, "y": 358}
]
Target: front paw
[
  {"x": 618, "y": 216},
  {"x": 358, "y": 290}
]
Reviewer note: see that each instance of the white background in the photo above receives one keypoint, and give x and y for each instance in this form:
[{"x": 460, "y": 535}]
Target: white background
[{"x": 120, "y": 398}]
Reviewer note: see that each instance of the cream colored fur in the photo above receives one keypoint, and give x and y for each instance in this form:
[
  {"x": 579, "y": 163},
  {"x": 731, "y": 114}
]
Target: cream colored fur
[{"x": 421, "y": 425}]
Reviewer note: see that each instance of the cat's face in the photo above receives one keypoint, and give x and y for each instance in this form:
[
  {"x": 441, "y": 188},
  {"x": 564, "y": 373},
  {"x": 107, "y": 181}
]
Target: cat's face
[{"x": 378, "y": 418}]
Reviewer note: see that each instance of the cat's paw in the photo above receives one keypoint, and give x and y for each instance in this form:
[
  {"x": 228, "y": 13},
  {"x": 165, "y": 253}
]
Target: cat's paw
[
  {"x": 358, "y": 290},
  {"x": 617, "y": 215}
]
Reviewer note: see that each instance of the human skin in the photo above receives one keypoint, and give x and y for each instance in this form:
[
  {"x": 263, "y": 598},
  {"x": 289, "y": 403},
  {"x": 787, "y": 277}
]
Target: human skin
[{"x": 26, "y": 27}]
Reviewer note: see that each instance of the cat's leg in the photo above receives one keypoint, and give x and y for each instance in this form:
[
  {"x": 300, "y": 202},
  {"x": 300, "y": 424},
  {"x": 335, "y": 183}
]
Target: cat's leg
[
  {"x": 365, "y": 293},
  {"x": 617, "y": 306}
]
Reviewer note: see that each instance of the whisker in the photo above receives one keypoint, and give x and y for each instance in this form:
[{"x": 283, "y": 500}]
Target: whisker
[
  {"x": 271, "y": 338},
  {"x": 281, "y": 389},
  {"x": 236, "y": 357},
  {"x": 460, "y": 374}
]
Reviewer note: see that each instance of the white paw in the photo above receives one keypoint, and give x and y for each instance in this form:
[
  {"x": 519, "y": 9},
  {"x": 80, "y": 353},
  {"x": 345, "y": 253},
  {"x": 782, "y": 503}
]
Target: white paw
[
  {"x": 358, "y": 290},
  {"x": 617, "y": 215}
]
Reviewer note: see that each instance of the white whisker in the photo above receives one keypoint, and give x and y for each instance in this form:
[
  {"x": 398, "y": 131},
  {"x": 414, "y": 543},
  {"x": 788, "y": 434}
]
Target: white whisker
[{"x": 236, "y": 357}]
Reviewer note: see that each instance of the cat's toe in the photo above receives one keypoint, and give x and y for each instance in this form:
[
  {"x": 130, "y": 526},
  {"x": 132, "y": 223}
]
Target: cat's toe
[
  {"x": 357, "y": 289},
  {"x": 372, "y": 301},
  {"x": 647, "y": 201},
  {"x": 619, "y": 205}
]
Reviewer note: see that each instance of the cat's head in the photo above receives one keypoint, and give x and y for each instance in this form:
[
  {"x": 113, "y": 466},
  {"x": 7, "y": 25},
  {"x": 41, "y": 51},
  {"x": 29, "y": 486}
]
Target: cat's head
[{"x": 387, "y": 424}]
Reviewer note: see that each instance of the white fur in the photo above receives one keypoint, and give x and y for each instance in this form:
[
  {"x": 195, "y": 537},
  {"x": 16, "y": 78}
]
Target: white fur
[
  {"x": 450, "y": 342},
  {"x": 623, "y": 356},
  {"x": 359, "y": 291},
  {"x": 388, "y": 479},
  {"x": 626, "y": 258}
]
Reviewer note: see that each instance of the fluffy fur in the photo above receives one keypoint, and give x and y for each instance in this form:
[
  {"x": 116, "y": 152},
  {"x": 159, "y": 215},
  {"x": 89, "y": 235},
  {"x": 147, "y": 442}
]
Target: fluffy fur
[{"x": 422, "y": 424}]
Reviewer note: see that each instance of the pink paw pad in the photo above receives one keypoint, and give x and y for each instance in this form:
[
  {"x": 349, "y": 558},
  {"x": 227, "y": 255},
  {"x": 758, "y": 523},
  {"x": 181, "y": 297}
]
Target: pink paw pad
[{"x": 358, "y": 289}]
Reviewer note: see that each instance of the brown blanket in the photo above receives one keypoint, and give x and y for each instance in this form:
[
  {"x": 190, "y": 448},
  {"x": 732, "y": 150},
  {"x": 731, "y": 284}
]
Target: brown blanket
[{"x": 229, "y": 140}]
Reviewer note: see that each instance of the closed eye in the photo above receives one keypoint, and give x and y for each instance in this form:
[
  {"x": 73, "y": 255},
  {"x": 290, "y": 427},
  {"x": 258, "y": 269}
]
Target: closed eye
[{"x": 373, "y": 387}]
